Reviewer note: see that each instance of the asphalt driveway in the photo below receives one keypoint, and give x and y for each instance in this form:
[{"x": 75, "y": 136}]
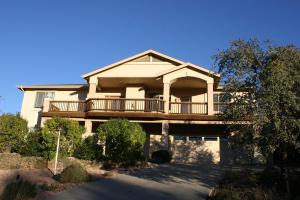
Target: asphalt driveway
[{"x": 172, "y": 181}]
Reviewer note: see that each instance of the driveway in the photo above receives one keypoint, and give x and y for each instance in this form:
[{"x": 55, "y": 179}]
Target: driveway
[{"x": 164, "y": 182}]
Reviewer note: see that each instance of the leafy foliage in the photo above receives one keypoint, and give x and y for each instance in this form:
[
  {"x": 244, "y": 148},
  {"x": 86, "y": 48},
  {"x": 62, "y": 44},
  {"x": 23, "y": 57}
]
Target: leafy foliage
[
  {"x": 161, "y": 156},
  {"x": 13, "y": 130},
  {"x": 89, "y": 149},
  {"x": 124, "y": 141},
  {"x": 261, "y": 82},
  {"x": 249, "y": 185},
  {"x": 74, "y": 173},
  {"x": 32, "y": 145},
  {"x": 71, "y": 133},
  {"x": 19, "y": 190}
]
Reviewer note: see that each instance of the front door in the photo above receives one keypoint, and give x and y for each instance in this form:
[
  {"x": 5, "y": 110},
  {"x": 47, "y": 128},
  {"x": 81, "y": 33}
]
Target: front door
[{"x": 185, "y": 104}]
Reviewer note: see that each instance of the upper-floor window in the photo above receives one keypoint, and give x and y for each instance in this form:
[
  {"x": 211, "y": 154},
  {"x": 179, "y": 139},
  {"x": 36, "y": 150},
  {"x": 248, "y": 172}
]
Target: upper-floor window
[
  {"x": 40, "y": 96},
  {"x": 219, "y": 103}
]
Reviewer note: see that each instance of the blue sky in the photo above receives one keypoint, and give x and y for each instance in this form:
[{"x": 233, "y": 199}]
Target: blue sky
[{"x": 44, "y": 42}]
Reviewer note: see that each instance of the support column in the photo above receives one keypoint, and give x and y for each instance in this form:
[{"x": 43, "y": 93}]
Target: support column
[
  {"x": 88, "y": 124},
  {"x": 46, "y": 105},
  {"x": 210, "y": 99},
  {"x": 165, "y": 135},
  {"x": 92, "y": 87},
  {"x": 147, "y": 145},
  {"x": 166, "y": 97}
]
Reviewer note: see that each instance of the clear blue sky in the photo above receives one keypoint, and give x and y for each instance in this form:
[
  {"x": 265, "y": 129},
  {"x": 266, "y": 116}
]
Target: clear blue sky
[{"x": 44, "y": 42}]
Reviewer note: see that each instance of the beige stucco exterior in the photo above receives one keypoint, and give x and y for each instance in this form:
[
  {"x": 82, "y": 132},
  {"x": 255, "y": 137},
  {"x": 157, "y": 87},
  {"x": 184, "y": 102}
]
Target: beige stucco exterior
[
  {"x": 32, "y": 114},
  {"x": 129, "y": 82}
]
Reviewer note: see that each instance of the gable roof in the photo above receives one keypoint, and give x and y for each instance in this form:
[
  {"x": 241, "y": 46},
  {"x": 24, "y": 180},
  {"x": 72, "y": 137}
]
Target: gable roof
[
  {"x": 171, "y": 59},
  {"x": 196, "y": 67}
]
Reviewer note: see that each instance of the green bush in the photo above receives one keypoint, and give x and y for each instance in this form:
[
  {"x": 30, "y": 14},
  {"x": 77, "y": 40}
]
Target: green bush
[
  {"x": 89, "y": 149},
  {"x": 161, "y": 156},
  {"x": 227, "y": 194},
  {"x": 13, "y": 130},
  {"x": 74, "y": 173},
  {"x": 124, "y": 141},
  {"x": 249, "y": 185},
  {"x": 271, "y": 177},
  {"x": 19, "y": 190},
  {"x": 32, "y": 145},
  {"x": 70, "y": 137}
]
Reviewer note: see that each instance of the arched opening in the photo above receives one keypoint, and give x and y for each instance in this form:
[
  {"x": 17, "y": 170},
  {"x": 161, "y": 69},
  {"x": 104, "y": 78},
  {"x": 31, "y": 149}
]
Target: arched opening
[{"x": 188, "y": 95}]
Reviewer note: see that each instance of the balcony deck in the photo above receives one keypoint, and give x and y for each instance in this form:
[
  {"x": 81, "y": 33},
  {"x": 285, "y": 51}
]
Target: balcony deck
[{"x": 129, "y": 108}]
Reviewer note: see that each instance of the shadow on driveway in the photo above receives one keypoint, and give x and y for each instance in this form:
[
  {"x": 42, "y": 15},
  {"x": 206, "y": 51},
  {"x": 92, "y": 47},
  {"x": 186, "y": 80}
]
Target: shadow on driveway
[
  {"x": 206, "y": 175},
  {"x": 164, "y": 182}
]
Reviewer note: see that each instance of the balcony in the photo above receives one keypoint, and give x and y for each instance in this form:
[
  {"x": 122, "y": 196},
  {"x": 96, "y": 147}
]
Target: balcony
[
  {"x": 125, "y": 107},
  {"x": 108, "y": 105}
]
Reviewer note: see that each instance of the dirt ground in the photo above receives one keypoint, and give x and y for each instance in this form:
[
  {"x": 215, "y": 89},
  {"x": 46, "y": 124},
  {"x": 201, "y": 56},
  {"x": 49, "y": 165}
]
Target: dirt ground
[{"x": 40, "y": 177}]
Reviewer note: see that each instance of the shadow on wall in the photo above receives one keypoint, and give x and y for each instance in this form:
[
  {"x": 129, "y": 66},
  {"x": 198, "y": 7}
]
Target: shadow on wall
[
  {"x": 193, "y": 152},
  {"x": 232, "y": 155}
]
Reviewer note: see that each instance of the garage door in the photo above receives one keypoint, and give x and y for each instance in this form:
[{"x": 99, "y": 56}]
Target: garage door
[{"x": 196, "y": 149}]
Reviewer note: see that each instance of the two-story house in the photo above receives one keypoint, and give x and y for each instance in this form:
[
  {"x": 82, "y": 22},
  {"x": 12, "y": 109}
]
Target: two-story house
[{"x": 176, "y": 103}]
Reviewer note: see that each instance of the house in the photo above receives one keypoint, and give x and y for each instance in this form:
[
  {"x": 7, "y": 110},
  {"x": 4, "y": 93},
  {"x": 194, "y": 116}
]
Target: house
[{"x": 177, "y": 103}]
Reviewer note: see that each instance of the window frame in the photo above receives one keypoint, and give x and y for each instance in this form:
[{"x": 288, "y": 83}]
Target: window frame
[{"x": 45, "y": 94}]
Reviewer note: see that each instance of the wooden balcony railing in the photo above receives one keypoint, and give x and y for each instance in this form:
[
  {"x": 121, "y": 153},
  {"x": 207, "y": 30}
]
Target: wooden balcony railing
[
  {"x": 125, "y": 104},
  {"x": 67, "y": 106},
  {"x": 188, "y": 108},
  {"x": 132, "y": 105}
]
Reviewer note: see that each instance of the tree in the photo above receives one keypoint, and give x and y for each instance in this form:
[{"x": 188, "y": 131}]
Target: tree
[
  {"x": 261, "y": 82},
  {"x": 13, "y": 130},
  {"x": 124, "y": 141},
  {"x": 89, "y": 149},
  {"x": 71, "y": 133},
  {"x": 32, "y": 145}
]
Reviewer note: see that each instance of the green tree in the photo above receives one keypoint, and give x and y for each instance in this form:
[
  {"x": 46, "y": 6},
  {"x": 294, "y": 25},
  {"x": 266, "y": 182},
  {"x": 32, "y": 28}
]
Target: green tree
[
  {"x": 13, "y": 130},
  {"x": 261, "y": 82},
  {"x": 71, "y": 133},
  {"x": 32, "y": 145},
  {"x": 89, "y": 149},
  {"x": 124, "y": 141}
]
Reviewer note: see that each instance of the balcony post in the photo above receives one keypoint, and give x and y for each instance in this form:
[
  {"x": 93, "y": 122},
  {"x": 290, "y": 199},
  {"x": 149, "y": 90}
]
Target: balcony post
[
  {"x": 210, "y": 98},
  {"x": 165, "y": 135},
  {"x": 92, "y": 87},
  {"x": 166, "y": 98},
  {"x": 46, "y": 105}
]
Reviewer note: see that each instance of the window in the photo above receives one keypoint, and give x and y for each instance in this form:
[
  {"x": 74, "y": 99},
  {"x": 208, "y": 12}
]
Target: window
[
  {"x": 40, "y": 96},
  {"x": 219, "y": 103},
  {"x": 210, "y": 139},
  {"x": 180, "y": 137},
  {"x": 195, "y": 138}
]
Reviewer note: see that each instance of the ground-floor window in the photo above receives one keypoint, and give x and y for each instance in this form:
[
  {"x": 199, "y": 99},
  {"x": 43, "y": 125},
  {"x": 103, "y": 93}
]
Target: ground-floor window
[{"x": 194, "y": 138}]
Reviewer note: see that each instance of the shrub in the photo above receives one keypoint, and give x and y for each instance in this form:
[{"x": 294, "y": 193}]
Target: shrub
[
  {"x": 227, "y": 194},
  {"x": 70, "y": 137},
  {"x": 19, "y": 190},
  {"x": 124, "y": 141},
  {"x": 161, "y": 156},
  {"x": 74, "y": 174},
  {"x": 271, "y": 177},
  {"x": 89, "y": 149},
  {"x": 32, "y": 145},
  {"x": 13, "y": 130}
]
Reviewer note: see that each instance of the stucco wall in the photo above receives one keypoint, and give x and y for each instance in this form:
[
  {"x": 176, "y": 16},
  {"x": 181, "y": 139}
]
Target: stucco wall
[
  {"x": 32, "y": 114},
  {"x": 135, "y": 69}
]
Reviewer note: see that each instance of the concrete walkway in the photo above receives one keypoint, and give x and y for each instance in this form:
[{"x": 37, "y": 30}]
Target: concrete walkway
[{"x": 162, "y": 182}]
